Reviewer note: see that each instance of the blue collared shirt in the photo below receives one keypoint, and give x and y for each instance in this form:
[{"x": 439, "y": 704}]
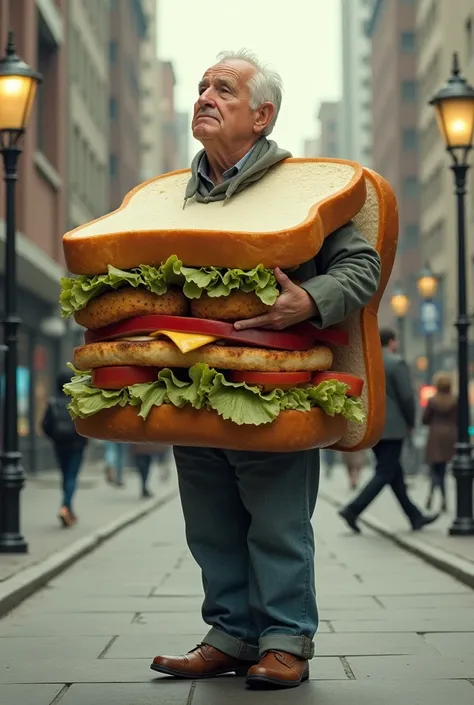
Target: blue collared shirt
[{"x": 203, "y": 169}]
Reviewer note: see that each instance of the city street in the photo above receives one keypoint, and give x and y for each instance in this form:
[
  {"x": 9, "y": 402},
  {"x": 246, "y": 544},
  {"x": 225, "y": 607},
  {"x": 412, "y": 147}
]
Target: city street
[{"x": 393, "y": 629}]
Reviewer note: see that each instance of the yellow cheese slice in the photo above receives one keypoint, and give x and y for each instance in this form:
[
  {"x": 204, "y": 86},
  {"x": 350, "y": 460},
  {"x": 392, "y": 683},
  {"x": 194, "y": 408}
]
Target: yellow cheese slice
[{"x": 186, "y": 341}]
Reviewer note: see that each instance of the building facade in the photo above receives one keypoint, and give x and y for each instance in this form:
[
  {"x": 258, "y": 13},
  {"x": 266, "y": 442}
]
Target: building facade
[
  {"x": 128, "y": 28},
  {"x": 329, "y": 117},
  {"x": 150, "y": 78},
  {"x": 40, "y": 31},
  {"x": 88, "y": 111},
  {"x": 443, "y": 28},
  {"x": 395, "y": 145},
  {"x": 170, "y": 133},
  {"x": 311, "y": 148},
  {"x": 355, "y": 106}
]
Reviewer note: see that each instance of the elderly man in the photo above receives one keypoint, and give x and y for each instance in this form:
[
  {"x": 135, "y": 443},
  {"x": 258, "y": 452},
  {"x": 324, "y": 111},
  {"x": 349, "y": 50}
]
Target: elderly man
[{"x": 248, "y": 515}]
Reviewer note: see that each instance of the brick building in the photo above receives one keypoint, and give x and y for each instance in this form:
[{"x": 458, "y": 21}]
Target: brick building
[
  {"x": 128, "y": 27},
  {"x": 40, "y": 30}
]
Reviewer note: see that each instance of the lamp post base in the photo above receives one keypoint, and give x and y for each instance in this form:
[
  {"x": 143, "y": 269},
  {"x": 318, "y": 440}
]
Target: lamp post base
[
  {"x": 13, "y": 543},
  {"x": 463, "y": 473}
]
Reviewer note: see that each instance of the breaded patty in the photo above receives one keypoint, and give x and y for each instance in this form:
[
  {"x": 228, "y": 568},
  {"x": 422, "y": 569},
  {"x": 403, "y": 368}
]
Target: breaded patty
[
  {"x": 115, "y": 306},
  {"x": 235, "y": 307},
  {"x": 165, "y": 354}
]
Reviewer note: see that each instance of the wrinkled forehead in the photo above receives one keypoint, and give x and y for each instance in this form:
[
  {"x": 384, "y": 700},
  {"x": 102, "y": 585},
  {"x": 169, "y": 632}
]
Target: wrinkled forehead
[{"x": 235, "y": 72}]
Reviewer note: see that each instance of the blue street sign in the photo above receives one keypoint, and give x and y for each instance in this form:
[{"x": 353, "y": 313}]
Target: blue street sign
[{"x": 430, "y": 317}]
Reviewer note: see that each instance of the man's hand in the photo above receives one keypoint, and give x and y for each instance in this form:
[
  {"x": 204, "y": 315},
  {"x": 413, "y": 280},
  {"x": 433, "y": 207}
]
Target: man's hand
[{"x": 292, "y": 306}]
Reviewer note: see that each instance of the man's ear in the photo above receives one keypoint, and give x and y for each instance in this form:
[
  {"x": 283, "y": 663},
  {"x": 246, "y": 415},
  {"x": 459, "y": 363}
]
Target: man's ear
[{"x": 263, "y": 116}]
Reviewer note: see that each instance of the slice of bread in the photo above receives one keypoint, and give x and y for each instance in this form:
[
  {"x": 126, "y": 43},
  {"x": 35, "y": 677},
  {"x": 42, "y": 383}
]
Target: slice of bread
[
  {"x": 378, "y": 222},
  {"x": 280, "y": 221}
]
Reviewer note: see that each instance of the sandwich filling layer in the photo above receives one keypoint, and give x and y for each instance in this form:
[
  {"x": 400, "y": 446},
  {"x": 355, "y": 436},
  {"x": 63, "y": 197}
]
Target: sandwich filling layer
[{"x": 203, "y": 387}]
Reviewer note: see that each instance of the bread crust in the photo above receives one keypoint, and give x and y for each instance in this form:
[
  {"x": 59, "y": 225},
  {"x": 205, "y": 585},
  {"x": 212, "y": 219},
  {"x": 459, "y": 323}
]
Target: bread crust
[
  {"x": 161, "y": 353},
  {"x": 199, "y": 248},
  {"x": 237, "y": 306},
  {"x": 115, "y": 306},
  {"x": 291, "y": 430}
]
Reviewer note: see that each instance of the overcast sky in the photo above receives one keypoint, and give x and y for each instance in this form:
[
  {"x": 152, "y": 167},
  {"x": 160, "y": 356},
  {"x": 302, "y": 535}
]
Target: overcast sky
[{"x": 298, "y": 38}]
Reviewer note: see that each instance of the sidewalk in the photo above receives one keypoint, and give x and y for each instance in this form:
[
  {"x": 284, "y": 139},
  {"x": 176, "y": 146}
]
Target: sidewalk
[
  {"x": 393, "y": 629},
  {"x": 102, "y": 509},
  {"x": 451, "y": 553}
]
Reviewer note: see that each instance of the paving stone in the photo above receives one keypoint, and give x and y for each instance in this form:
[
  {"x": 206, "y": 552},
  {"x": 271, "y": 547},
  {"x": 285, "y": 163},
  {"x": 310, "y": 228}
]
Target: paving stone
[
  {"x": 370, "y": 644},
  {"x": 72, "y": 624},
  {"x": 374, "y": 615},
  {"x": 105, "y": 588},
  {"x": 233, "y": 692},
  {"x": 147, "y": 646},
  {"x": 64, "y": 604},
  {"x": 66, "y": 670},
  {"x": 411, "y": 667},
  {"x": 428, "y": 601},
  {"x": 450, "y": 644},
  {"x": 28, "y": 694},
  {"x": 160, "y": 692},
  {"x": 414, "y": 624},
  {"x": 29, "y": 648},
  {"x": 348, "y": 602}
]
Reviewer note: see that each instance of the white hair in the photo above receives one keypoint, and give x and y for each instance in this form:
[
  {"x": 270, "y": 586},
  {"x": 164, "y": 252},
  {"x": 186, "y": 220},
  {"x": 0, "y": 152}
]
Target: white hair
[{"x": 265, "y": 85}]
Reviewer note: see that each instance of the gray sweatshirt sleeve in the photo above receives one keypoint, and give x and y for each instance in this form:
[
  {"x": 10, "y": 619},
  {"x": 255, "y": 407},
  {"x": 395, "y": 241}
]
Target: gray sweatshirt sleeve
[{"x": 350, "y": 275}]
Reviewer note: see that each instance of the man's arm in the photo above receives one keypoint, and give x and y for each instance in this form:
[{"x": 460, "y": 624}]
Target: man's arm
[
  {"x": 350, "y": 276},
  {"x": 403, "y": 388}
]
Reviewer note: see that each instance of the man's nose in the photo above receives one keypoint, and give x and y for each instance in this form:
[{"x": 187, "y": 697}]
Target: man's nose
[{"x": 206, "y": 99}]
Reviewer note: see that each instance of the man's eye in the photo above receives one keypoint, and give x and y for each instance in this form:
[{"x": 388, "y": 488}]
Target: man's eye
[{"x": 224, "y": 89}]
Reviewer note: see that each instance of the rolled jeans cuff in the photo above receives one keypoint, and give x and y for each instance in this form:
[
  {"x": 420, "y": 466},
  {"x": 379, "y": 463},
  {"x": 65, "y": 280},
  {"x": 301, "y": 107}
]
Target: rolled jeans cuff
[
  {"x": 231, "y": 646},
  {"x": 297, "y": 645}
]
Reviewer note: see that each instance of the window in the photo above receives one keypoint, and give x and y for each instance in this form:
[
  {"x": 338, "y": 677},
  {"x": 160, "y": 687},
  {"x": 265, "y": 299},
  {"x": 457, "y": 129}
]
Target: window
[
  {"x": 113, "y": 166},
  {"x": 468, "y": 26},
  {"x": 410, "y": 187},
  {"x": 410, "y": 139},
  {"x": 409, "y": 91},
  {"x": 412, "y": 235},
  {"x": 112, "y": 52},
  {"x": 113, "y": 108},
  {"x": 407, "y": 41}
]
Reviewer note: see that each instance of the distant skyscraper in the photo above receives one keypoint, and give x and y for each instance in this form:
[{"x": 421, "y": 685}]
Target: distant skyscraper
[
  {"x": 329, "y": 142},
  {"x": 151, "y": 92},
  {"x": 356, "y": 110},
  {"x": 183, "y": 130}
]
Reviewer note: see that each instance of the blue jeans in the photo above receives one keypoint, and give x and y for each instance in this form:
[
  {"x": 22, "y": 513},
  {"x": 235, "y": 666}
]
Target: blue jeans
[
  {"x": 248, "y": 526},
  {"x": 115, "y": 454},
  {"x": 143, "y": 464},
  {"x": 70, "y": 464}
]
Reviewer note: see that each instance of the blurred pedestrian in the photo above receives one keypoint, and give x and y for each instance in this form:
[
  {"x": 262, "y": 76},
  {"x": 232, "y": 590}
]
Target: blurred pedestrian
[
  {"x": 68, "y": 446},
  {"x": 399, "y": 422},
  {"x": 440, "y": 415},
  {"x": 328, "y": 460},
  {"x": 355, "y": 463},
  {"x": 143, "y": 456},
  {"x": 115, "y": 456}
]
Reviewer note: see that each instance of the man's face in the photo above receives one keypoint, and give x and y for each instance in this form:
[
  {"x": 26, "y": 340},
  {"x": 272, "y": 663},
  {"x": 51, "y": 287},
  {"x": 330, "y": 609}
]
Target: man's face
[{"x": 222, "y": 111}]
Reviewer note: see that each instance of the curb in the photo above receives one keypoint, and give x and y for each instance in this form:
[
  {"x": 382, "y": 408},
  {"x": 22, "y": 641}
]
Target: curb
[
  {"x": 457, "y": 567},
  {"x": 19, "y": 587}
]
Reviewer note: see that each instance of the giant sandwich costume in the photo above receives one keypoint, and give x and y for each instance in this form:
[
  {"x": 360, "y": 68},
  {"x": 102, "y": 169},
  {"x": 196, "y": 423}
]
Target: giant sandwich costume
[{"x": 158, "y": 287}]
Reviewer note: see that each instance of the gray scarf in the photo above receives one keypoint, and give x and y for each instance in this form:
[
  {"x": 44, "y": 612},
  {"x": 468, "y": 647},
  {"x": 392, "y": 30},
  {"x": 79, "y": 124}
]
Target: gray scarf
[{"x": 265, "y": 154}]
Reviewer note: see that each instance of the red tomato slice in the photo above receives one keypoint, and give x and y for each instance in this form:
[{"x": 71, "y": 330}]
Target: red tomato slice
[
  {"x": 355, "y": 384},
  {"x": 271, "y": 380},
  {"x": 144, "y": 325},
  {"x": 122, "y": 376}
]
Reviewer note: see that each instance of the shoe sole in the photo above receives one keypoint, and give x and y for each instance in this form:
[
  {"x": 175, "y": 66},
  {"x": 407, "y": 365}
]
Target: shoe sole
[
  {"x": 241, "y": 673},
  {"x": 268, "y": 683}
]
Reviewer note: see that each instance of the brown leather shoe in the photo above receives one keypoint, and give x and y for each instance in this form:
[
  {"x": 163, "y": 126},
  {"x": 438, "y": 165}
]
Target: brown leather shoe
[
  {"x": 202, "y": 662},
  {"x": 278, "y": 669}
]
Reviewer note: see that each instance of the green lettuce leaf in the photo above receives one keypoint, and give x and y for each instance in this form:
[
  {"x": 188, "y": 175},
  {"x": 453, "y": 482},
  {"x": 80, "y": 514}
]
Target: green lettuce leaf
[
  {"x": 78, "y": 291},
  {"x": 207, "y": 388},
  {"x": 243, "y": 404}
]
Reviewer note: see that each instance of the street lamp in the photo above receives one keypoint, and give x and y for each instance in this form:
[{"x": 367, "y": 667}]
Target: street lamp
[
  {"x": 427, "y": 286},
  {"x": 18, "y": 83},
  {"x": 454, "y": 108},
  {"x": 400, "y": 304}
]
